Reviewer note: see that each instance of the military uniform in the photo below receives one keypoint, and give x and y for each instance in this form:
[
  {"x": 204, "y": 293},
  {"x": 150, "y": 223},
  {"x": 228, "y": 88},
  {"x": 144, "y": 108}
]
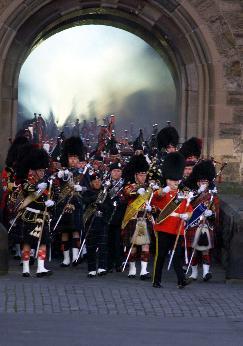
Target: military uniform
[
  {"x": 115, "y": 255},
  {"x": 200, "y": 233},
  {"x": 34, "y": 216},
  {"x": 136, "y": 227},
  {"x": 167, "y": 229},
  {"x": 98, "y": 210},
  {"x": 69, "y": 202}
]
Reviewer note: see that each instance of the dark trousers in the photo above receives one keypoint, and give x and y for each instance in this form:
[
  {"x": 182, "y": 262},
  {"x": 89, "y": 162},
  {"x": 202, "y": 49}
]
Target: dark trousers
[
  {"x": 114, "y": 246},
  {"x": 164, "y": 243},
  {"x": 97, "y": 238}
]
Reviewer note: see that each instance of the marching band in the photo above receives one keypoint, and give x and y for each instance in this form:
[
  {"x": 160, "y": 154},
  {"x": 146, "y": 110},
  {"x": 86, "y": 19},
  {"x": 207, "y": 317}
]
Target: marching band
[{"x": 120, "y": 206}]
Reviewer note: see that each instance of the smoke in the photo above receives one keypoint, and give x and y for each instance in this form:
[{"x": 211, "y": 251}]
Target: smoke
[{"x": 97, "y": 70}]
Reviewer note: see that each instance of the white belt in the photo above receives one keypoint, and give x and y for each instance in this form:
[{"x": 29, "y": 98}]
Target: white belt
[{"x": 33, "y": 210}]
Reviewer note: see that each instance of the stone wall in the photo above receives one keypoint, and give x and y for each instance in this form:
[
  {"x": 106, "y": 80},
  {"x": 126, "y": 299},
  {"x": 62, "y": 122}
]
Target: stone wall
[
  {"x": 231, "y": 235},
  {"x": 224, "y": 19}
]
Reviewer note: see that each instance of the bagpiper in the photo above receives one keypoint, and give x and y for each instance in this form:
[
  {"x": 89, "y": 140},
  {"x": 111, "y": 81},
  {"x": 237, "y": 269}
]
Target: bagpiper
[
  {"x": 69, "y": 202},
  {"x": 200, "y": 234},
  {"x": 191, "y": 150},
  {"x": 8, "y": 177},
  {"x": 11, "y": 188},
  {"x": 136, "y": 226},
  {"x": 33, "y": 213},
  {"x": 167, "y": 141}
]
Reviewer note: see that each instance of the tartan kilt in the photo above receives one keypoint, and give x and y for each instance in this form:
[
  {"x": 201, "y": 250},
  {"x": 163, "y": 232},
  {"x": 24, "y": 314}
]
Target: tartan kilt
[
  {"x": 128, "y": 231},
  {"x": 190, "y": 234},
  {"x": 25, "y": 237}
]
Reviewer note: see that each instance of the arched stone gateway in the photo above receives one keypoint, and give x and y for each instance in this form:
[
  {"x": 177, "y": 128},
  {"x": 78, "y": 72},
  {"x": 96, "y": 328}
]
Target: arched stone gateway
[{"x": 201, "y": 41}]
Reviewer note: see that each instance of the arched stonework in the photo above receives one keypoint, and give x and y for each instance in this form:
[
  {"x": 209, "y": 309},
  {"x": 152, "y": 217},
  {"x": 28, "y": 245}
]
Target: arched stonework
[{"x": 182, "y": 31}]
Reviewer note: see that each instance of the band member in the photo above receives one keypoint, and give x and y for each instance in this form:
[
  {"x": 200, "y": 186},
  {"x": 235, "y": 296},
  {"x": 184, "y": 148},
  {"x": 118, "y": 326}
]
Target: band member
[
  {"x": 11, "y": 189},
  {"x": 69, "y": 202},
  {"x": 98, "y": 210},
  {"x": 33, "y": 221},
  {"x": 172, "y": 210},
  {"x": 191, "y": 150},
  {"x": 167, "y": 140},
  {"x": 200, "y": 234},
  {"x": 115, "y": 255},
  {"x": 9, "y": 176},
  {"x": 136, "y": 226}
]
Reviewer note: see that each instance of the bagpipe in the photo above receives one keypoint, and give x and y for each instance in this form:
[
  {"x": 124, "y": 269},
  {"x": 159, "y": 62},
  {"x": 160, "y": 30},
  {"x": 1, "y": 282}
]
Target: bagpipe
[
  {"x": 19, "y": 201},
  {"x": 70, "y": 177},
  {"x": 68, "y": 191}
]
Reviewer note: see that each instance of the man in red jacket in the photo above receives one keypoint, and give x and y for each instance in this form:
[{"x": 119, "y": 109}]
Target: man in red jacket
[{"x": 170, "y": 223}]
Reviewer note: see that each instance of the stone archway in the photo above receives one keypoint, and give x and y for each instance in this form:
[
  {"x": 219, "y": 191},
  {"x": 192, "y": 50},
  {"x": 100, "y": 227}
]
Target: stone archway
[{"x": 173, "y": 28}]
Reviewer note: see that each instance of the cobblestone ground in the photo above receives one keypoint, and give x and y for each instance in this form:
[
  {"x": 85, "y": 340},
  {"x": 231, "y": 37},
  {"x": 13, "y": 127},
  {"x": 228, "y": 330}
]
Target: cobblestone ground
[{"x": 69, "y": 291}]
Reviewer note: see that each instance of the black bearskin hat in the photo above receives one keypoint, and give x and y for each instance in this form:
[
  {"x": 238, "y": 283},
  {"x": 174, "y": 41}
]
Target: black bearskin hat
[
  {"x": 72, "y": 146},
  {"x": 13, "y": 150},
  {"x": 33, "y": 158},
  {"x": 204, "y": 170},
  {"x": 192, "y": 147},
  {"x": 173, "y": 167},
  {"x": 38, "y": 159},
  {"x": 167, "y": 136},
  {"x": 137, "y": 164}
]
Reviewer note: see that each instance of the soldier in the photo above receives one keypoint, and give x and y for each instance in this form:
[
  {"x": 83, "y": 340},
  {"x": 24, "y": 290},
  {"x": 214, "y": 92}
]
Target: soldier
[
  {"x": 33, "y": 221},
  {"x": 114, "y": 234},
  {"x": 172, "y": 211},
  {"x": 136, "y": 226},
  {"x": 9, "y": 176},
  {"x": 98, "y": 210},
  {"x": 191, "y": 150},
  {"x": 69, "y": 202},
  {"x": 200, "y": 233},
  {"x": 167, "y": 140}
]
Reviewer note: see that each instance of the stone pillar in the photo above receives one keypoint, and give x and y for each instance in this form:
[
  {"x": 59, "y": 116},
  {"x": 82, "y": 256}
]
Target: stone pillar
[{"x": 3, "y": 250}]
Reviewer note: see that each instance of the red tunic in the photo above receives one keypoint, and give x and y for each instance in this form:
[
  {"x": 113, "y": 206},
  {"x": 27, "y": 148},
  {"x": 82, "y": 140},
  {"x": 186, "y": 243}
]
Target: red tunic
[{"x": 172, "y": 223}]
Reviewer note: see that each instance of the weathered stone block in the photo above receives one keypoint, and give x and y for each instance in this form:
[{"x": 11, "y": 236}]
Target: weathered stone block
[
  {"x": 231, "y": 230},
  {"x": 229, "y": 130},
  {"x": 238, "y": 116},
  {"x": 235, "y": 98},
  {"x": 234, "y": 69},
  {"x": 170, "y": 5}
]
